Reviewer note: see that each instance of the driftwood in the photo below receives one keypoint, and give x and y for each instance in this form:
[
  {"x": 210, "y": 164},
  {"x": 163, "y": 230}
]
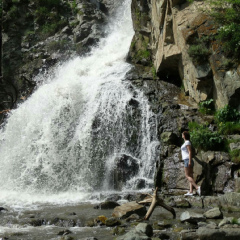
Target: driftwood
[{"x": 156, "y": 201}]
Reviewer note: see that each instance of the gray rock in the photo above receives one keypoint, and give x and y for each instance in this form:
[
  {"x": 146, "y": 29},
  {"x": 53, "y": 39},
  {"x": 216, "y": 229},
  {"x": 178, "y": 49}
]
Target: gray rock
[
  {"x": 132, "y": 217},
  {"x": 144, "y": 228},
  {"x": 110, "y": 222},
  {"x": 132, "y": 235},
  {"x": 218, "y": 234},
  {"x": 225, "y": 221},
  {"x": 107, "y": 205},
  {"x": 128, "y": 209},
  {"x": 213, "y": 213},
  {"x": 234, "y": 146},
  {"x": 230, "y": 199},
  {"x": 125, "y": 168},
  {"x": 90, "y": 238},
  {"x": 188, "y": 234},
  {"x": 191, "y": 217}
]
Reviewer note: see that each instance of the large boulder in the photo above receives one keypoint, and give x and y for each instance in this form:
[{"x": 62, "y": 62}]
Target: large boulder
[
  {"x": 213, "y": 213},
  {"x": 191, "y": 217},
  {"x": 125, "y": 167},
  {"x": 128, "y": 209}
]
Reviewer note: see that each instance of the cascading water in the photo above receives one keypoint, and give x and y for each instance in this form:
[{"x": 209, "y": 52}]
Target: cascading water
[{"x": 63, "y": 140}]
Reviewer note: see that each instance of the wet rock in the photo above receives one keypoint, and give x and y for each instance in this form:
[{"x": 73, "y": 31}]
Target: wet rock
[
  {"x": 170, "y": 138},
  {"x": 144, "y": 228},
  {"x": 125, "y": 168},
  {"x": 230, "y": 199},
  {"x": 101, "y": 220},
  {"x": 113, "y": 198},
  {"x": 37, "y": 222},
  {"x": 111, "y": 222},
  {"x": 211, "y": 202},
  {"x": 118, "y": 230},
  {"x": 128, "y": 209},
  {"x": 107, "y": 205},
  {"x": 213, "y": 213},
  {"x": 3, "y": 209},
  {"x": 219, "y": 234},
  {"x": 64, "y": 232},
  {"x": 164, "y": 224},
  {"x": 90, "y": 238},
  {"x": 188, "y": 234},
  {"x": 227, "y": 220},
  {"x": 132, "y": 217},
  {"x": 182, "y": 203},
  {"x": 191, "y": 217}
]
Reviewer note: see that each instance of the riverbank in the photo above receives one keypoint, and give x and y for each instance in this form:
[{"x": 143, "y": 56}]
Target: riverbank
[{"x": 81, "y": 221}]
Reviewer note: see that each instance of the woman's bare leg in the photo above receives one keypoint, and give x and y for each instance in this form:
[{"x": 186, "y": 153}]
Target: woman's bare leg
[{"x": 189, "y": 176}]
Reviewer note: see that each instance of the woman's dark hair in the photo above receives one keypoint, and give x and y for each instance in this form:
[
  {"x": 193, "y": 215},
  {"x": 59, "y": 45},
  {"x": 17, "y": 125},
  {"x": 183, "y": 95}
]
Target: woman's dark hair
[{"x": 186, "y": 135}]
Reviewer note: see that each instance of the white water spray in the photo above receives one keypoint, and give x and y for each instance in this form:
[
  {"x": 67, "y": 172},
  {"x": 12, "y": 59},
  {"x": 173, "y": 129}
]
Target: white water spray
[{"x": 63, "y": 139}]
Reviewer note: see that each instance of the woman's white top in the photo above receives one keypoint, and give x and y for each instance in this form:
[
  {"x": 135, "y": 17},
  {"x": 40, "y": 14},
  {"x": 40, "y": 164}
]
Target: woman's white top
[{"x": 184, "y": 150}]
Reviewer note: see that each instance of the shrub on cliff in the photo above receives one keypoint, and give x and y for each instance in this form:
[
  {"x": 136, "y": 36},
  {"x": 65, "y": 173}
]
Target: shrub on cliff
[
  {"x": 227, "y": 114},
  {"x": 205, "y": 139},
  {"x": 226, "y": 13}
]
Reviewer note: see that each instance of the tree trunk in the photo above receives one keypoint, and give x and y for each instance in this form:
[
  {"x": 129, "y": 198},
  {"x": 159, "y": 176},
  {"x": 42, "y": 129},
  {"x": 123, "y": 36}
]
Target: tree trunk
[{"x": 156, "y": 201}]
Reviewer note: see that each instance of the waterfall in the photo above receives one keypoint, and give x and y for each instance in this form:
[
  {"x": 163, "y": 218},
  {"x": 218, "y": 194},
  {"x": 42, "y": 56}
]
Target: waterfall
[{"x": 65, "y": 137}]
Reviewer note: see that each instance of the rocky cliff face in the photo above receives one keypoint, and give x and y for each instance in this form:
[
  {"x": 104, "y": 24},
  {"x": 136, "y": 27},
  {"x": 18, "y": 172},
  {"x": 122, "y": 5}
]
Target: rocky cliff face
[
  {"x": 165, "y": 33},
  {"x": 166, "y": 30}
]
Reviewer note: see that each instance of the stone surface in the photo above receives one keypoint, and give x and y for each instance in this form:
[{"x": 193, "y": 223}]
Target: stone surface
[
  {"x": 144, "y": 228},
  {"x": 191, "y": 217},
  {"x": 219, "y": 234},
  {"x": 128, "y": 209},
  {"x": 110, "y": 222},
  {"x": 213, "y": 213},
  {"x": 225, "y": 221},
  {"x": 230, "y": 199}
]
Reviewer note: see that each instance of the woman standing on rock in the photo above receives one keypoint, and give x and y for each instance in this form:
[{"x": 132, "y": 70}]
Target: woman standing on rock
[{"x": 186, "y": 150}]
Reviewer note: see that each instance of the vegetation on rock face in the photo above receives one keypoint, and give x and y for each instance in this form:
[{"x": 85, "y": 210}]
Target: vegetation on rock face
[
  {"x": 199, "y": 50},
  {"x": 206, "y": 107},
  {"x": 227, "y": 14},
  {"x": 205, "y": 139},
  {"x": 227, "y": 121}
]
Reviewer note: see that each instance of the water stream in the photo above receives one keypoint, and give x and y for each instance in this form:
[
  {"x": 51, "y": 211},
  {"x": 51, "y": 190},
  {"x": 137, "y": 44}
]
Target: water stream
[{"x": 60, "y": 145}]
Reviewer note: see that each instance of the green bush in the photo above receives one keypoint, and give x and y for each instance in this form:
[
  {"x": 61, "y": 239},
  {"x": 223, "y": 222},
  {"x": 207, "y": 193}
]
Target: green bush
[
  {"x": 206, "y": 107},
  {"x": 230, "y": 36},
  {"x": 48, "y": 3},
  {"x": 227, "y": 114},
  {"x": 199, "y": 52},
  {"x": 204, "y": 139},
  {"x": 228, "y": 128},
  {"x": 235, "y": 155}
]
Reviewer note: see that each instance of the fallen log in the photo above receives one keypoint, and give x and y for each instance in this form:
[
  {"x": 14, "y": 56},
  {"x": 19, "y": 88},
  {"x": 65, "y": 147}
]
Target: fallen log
[{"x": 156, "y": 201}]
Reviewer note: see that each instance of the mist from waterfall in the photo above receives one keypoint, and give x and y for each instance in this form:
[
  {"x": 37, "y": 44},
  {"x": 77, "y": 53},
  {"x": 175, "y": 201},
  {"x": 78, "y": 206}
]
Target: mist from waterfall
[{"x": 60, "y": 144}]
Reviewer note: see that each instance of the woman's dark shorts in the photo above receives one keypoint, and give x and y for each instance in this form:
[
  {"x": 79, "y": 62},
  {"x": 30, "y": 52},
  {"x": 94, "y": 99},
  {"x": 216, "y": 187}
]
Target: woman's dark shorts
[{"x": 186, "y": 161}]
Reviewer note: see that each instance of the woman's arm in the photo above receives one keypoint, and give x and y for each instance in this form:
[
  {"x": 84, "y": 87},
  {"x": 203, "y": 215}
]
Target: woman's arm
[{"x": 190, "y": 153}]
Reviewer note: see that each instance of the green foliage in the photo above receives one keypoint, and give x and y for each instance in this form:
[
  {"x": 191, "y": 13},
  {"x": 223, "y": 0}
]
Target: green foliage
[
  {"x": 48, "y": 3},
  {"x": 235, "y": 155},
  {"x": 206, "y": 107},
  {"x": 55, "y": 45},
  {"x": 199, "y": 50},
  {"x": 228, "y": 128},
  {"x": 227, "y": 14},
  {"x": 235, "y": 221},
  {"x": 13, "y": 12},
  {"x": 205, "y": 139},
  {"x": 0, "y": 8},
  {"x": 227, "y": 114},
  {"x": 154, "y": 72},
  {"x": 230, "y": 35}
]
